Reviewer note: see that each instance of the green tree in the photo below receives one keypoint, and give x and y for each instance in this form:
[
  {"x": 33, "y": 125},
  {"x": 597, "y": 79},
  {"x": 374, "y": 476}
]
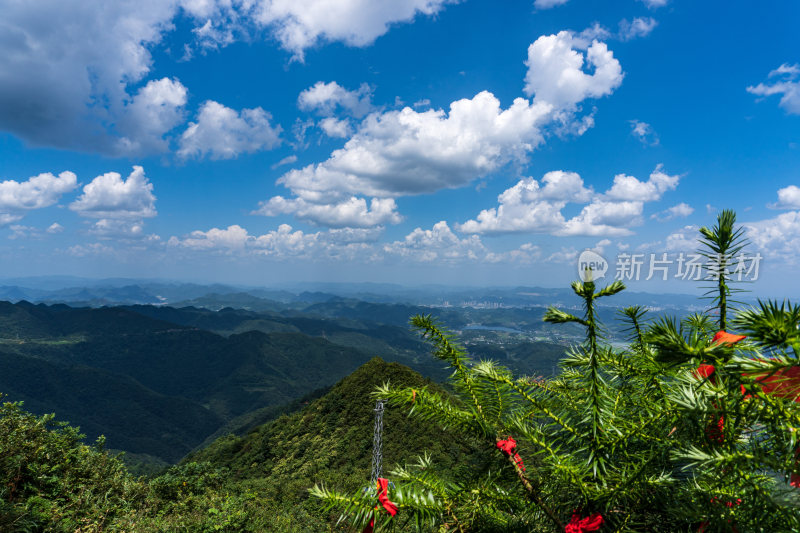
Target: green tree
[{"x": 684, "y": 430}]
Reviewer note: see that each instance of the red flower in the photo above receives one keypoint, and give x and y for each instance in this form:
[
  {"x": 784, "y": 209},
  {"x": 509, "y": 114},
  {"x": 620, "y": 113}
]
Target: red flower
[
  {"x": 507, "y": 447},
  {"x": 584, "y": 525}
]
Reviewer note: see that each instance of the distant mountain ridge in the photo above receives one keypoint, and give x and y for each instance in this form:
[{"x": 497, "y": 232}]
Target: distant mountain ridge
[
  {"x": 174, "y": 383},
  {"x": 159, "y": 380}
]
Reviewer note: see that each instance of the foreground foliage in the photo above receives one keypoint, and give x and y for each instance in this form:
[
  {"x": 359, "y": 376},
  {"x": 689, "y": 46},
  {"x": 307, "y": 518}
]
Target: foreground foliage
[{"x": 686, "y": 429}]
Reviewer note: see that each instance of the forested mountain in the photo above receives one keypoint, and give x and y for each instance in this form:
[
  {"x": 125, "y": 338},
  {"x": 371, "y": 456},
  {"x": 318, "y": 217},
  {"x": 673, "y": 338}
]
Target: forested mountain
[
  {"x": 152, "y": 386},
  {"x": 253, "y": 483},
  {"x": 158, "y": 381}
]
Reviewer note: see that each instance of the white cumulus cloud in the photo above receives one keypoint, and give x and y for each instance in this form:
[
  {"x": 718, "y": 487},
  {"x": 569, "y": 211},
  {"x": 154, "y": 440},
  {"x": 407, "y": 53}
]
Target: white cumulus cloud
[
  {"x": 35, "y": 193},
  {"x": 336, "y": 128},
  {"x": 788, "y": 87},
  {"x": 529, "y": 207},
  {"x": 282, "y": 243},
  {"x": 301, "y": 24},
  {"x": 684, "y": 239},
  {"x": 437, "y": 244},
  {"x": 156, "y": 109},
  {"x": 408, "y": 152},
  {"x": 630, "y": 188},
  {"x": 788, "y": 198},
  {"x": 109, "y": 196},
  {"x": 353, "y": 212},
  {"x": 556, "y": 70},
  {"x": 220, "y": 132},
  {"x": 328, "y": 98},
  {"x": 604, "y": 218},
  {"x": 777, "y": 237}
]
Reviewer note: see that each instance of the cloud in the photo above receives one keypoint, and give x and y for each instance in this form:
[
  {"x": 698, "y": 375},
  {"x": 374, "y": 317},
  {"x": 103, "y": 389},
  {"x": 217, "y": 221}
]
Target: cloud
[
  {"x": 788, "y": 198},
  {"x": 683, "y": 240},
  {"x": 327, "y": 98},
  {"x": 82, "y": 62},
  {"x": 556, "y": 70},
  {"x": 439, "y": 244},
  {"x": 408, "y": 152},
  {"x": 211, "y": 36},
  {"x": 54, "y": 228},
  {"x": 118, "y": 228},
  {"x": 638, "y": 27},
  {"x": 548, "y": 4},
  {"x": 680, "y": 210},
  {"x": 23, "y": 232},
  {"x": 7, "y": 218},
  {"x": 19, "y": 231},
  {"x": 108, "y": 196},
  {"x": 155, "y": 110},
  {"x": 86, "y": 63},
  {"x": 788, "y": 87},
  {"x": 223, "y": 133},
  {"x": 436, "y": 244},
  {"x": 302, "y": 25},
  {"x": 525, "y": 254},
  {"x": 600, "y": 246},
  {"x": 777, "y": 237},
  {"x": 232, "y": 238},
  {"x": 288, "y": 160},
  {"x": 604, "y": 218},
  {"x": 644, "y": 132},
  {"x": 528, "y": 207},
  {"x": 35, "y": 193},
  {"x": 88, "y": 250},
  {"x": 352, "y": 212},
  {"x": 282, "y": 243},
  {"x": 336, "y": 128},
  {"x": 654, "y": 4},
  {"x": 786, "y": 70},
  {"x": 629, "y": 188},
  {"x": 564, "y": 255}
]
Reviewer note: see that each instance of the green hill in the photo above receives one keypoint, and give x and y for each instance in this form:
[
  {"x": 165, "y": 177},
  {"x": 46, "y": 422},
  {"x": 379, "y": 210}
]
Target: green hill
[
  {"x": 50, "y": 481},
  {"x": 330, "y": 441}
]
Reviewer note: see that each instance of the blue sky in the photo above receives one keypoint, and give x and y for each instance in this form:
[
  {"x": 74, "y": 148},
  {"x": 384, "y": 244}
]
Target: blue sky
[{"x": 471, "y": 142}]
